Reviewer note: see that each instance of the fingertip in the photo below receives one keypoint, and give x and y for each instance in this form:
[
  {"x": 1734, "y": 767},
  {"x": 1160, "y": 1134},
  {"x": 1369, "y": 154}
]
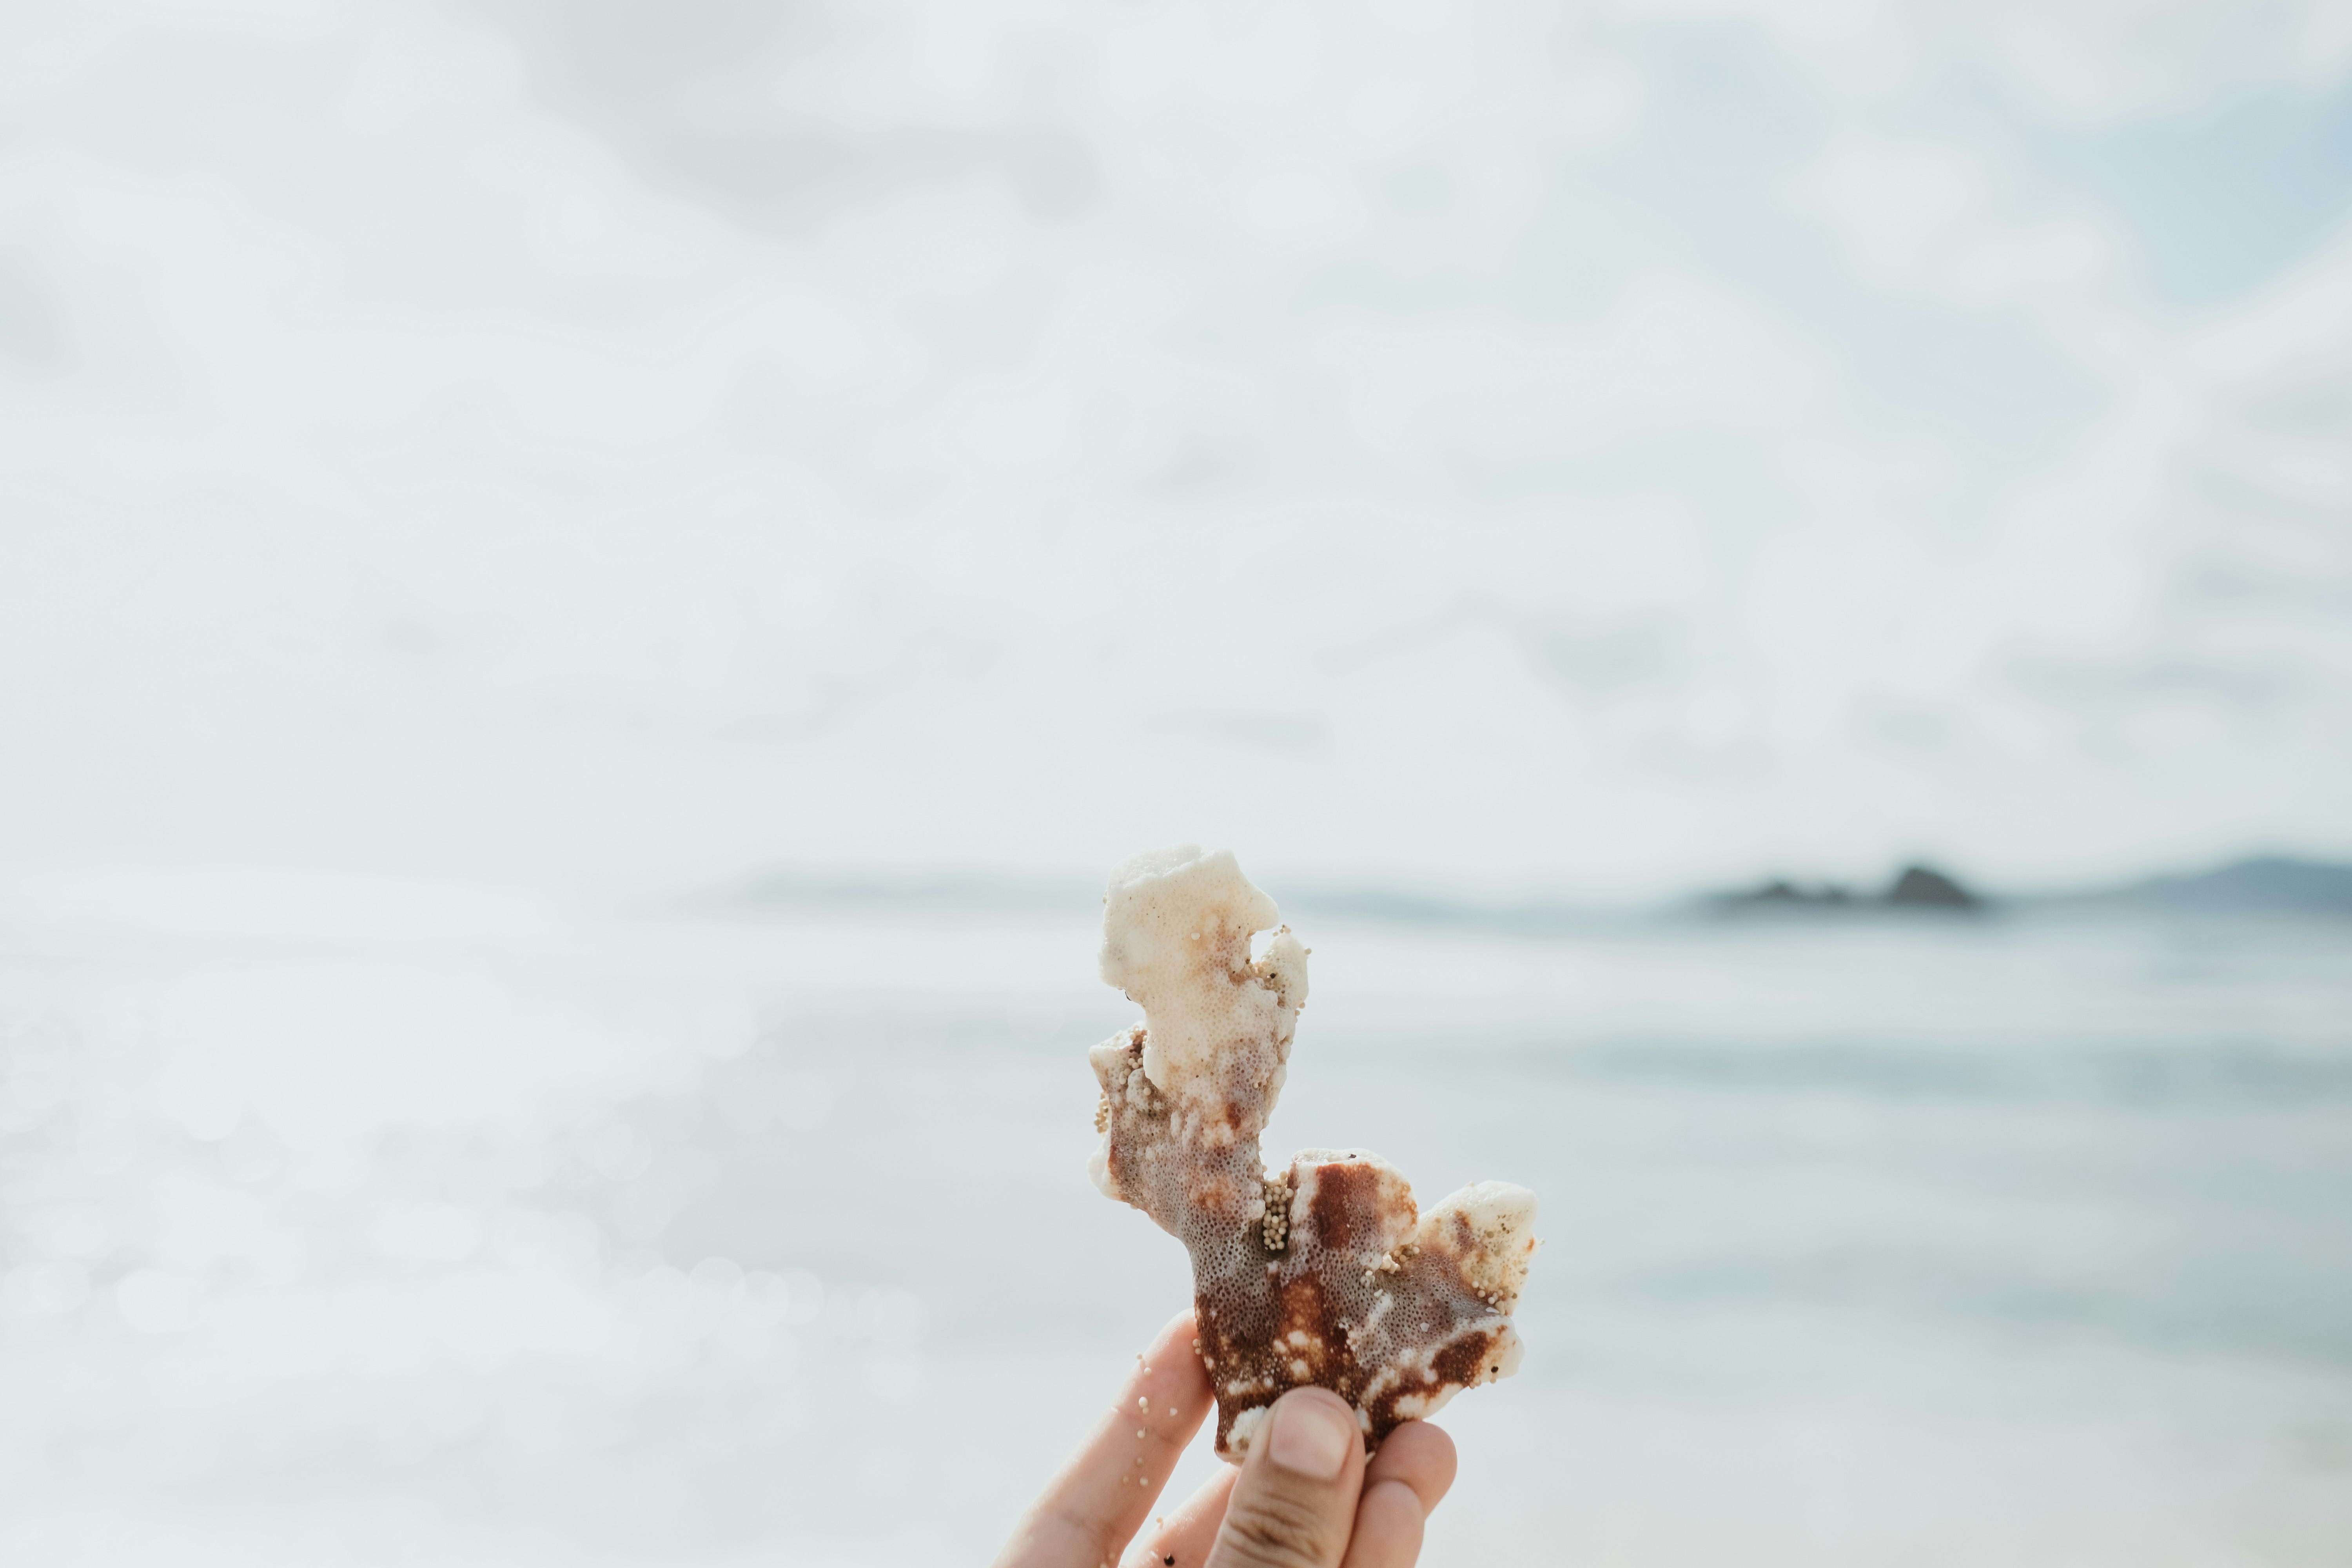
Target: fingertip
[
  {"x": 1312, "y": 1432},
  {"x": 1316, "y": 1393},
  {"x": 1176, "y": 1353}
]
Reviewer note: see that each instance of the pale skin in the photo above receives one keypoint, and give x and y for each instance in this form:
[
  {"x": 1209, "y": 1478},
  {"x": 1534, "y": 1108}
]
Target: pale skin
[{"x": 1306, "y": 1497}]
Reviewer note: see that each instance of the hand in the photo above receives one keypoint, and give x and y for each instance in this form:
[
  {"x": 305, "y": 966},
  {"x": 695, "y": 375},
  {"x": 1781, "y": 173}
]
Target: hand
[{"x": 1307, "y": 1499}]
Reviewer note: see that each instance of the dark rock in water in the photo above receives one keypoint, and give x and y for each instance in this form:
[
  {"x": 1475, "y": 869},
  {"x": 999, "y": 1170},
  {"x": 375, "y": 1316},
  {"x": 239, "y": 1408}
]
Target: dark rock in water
[
  {"x": 1923, "y": 886},
  {"x": 1783, "y": 894},
  {"x": 2267, "y": 885},
  {"x": 1918, "y": 888}
]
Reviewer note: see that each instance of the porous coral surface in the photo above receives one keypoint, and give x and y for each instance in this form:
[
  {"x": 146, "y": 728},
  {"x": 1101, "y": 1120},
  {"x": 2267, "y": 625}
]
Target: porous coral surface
[{"x": 1324, "y": 1272}]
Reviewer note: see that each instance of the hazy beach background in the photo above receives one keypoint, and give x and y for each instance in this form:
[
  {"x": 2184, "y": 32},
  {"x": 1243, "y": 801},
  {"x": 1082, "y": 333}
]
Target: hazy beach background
[
  {"x": 587, "y": 591},
  {"x": 391, "y": 1228}
]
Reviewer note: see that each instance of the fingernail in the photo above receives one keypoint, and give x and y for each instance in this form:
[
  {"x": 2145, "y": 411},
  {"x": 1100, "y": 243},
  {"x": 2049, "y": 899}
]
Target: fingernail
[{"x": 1310, "y": 1438}]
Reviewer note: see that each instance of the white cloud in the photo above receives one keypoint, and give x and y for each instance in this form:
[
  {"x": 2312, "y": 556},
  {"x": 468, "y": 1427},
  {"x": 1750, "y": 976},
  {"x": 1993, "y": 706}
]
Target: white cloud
[{"x": 652, "y": 444}]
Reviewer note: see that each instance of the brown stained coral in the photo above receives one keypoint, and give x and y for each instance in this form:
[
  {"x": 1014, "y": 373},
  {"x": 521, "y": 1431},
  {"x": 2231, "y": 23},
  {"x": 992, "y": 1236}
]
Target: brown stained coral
[{"x": 1324, "y": 1272}]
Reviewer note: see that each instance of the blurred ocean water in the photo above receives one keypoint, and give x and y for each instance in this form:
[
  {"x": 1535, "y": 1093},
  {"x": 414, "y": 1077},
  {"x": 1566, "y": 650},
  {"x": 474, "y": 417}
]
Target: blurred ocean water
[{"x": 394, "y": 1224}]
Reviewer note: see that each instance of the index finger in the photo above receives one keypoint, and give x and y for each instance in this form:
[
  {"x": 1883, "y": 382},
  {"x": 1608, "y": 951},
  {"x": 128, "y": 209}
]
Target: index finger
[{"x": 1102, "y": 1497}]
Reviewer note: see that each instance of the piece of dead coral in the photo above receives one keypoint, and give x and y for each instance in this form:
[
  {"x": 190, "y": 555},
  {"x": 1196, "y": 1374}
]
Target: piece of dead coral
[{"x": 1324, "y": 1273}]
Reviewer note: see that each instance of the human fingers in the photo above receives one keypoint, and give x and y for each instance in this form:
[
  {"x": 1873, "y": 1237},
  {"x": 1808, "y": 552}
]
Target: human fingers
[
  {"x": 1402, "y": 1483},
  {"x": 1182, "y": 1539},
  {"x": 1387, "y": 1529},
  {"x": 1296, "y": 1498},
  {"x": 1103, "y": 1495},
  {"x": 1420, "y": 1455},
  {"x": 1416, "y": 1455}
]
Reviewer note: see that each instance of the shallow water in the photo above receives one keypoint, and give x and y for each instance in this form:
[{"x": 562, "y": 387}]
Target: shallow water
[{"x": 407, "y": 1225}]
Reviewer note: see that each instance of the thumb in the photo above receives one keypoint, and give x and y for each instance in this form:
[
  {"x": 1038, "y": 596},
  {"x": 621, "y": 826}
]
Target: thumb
[{"x": 1296, "y": 1500}]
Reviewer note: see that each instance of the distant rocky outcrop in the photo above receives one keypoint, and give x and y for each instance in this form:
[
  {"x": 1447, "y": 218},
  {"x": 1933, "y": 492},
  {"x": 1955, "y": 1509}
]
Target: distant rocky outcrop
[
  {"x": 2278, "y": 885},
  {"x": 1924, "y": 887},
  {"x": 2263, "y": 884},
  {"x": 1914, "y": 887}
]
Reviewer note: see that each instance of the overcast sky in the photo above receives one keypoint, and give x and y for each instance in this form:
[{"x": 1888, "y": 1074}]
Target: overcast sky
[{"x": 1601, "y": 449}]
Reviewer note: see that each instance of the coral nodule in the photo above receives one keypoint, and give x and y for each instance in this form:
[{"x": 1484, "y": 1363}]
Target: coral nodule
[{"x": 1325, "y": 1273}]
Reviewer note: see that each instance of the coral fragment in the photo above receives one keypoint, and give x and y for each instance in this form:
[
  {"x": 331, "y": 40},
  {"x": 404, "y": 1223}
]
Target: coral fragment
[{"x": 1324, "y": 1272}]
